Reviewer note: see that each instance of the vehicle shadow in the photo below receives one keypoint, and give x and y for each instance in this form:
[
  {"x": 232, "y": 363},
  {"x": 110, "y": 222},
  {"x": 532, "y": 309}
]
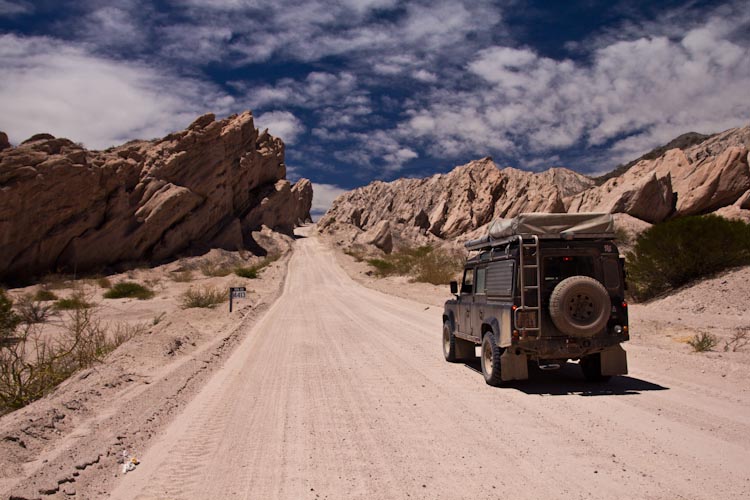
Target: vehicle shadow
[{"x": 569, "y": 381}]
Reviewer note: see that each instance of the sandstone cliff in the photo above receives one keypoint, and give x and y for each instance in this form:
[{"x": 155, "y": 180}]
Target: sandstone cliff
[
  {"x": 710, "y": 176},
  {"x": 63, "y": 207},
  {"x": 447, "y": 206}
]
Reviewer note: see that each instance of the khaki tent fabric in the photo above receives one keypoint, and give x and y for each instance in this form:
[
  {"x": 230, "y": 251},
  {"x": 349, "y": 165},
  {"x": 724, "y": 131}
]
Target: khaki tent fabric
[{"x": 543, "y": 224}]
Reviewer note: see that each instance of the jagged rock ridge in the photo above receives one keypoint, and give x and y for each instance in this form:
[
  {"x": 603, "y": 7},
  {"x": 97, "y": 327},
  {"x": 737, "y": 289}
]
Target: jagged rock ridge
[
  {"x": 63, "y": 207},
  {"x": 711, "y": 176}
]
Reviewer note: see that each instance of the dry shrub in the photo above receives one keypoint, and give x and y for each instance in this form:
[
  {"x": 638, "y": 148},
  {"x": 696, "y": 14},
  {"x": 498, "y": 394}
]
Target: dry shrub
[
  {"x": 32, "y": 364},
  {"x": 740, "y": 338},
  {"x": 185, "y": 276},
  {"x": 214, "y": 269},
  {"x": 703, "y": 341},
  {"x": 252, "y": 271},
  {"x": 33, "y": 311},
  {"x": 426, "y": 264},
  {"x": 104, "y": 282},
  {"x": 202, "y": 297}
]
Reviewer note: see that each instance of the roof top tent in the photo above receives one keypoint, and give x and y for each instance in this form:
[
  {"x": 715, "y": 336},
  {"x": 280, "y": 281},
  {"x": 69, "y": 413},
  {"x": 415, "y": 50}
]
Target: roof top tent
[{"x": 546, "y": 226}]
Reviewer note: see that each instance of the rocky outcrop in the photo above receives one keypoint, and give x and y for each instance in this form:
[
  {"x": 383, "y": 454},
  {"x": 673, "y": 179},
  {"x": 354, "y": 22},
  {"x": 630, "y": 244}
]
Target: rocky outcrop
[
  {"x": 447, "y": 206},
  {"x": 697, "y": 180},
  {"x": 703, "y": 174},
  {"x": 4, "y": 144},
  {"x": 212, "y": 185}
]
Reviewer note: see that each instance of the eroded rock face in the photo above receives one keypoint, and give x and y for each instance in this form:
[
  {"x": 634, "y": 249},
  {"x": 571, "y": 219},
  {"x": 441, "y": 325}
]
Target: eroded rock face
[
  {"x": 698, "y": 180},
  {"x": 4, "y": 144},
  {"x": 448, "y": 206},
  {"x": 712, "y": 176},
  {"x": 63, "y": 207}
]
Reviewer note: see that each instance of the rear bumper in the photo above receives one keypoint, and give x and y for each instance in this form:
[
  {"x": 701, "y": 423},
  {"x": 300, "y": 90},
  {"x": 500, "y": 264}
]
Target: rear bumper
[{"x": 566, "y": 347}]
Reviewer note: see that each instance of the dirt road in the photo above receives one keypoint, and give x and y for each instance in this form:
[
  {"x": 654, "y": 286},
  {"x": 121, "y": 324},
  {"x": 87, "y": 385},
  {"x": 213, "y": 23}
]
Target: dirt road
[{"x": 342, "y": 392}]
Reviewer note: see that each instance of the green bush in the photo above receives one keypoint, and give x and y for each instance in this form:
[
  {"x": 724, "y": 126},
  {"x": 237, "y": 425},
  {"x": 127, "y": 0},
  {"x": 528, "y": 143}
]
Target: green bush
[
  {"x": 128, "y": 289},
  {"x": 9, "y": 320},
  {"x": 43, "y": 295},
  {"x": 252, "y": 271},
  {"x": 75, "y": 301},
  {"x": 676, "y": 252},
  {"x": 246, "y": 272}
]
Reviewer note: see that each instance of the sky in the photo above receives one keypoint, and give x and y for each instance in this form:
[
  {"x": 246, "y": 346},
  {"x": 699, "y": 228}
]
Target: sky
[{"x": 363, "y": 90}]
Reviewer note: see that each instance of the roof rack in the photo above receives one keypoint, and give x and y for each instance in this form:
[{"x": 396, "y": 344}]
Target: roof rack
[{"x": 545, "y": 226}]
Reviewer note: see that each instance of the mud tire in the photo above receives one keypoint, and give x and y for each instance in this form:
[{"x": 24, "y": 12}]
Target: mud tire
[{"x": 579, "y": 306}]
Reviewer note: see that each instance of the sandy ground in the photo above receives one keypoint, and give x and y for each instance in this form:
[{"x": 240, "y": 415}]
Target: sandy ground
[
  {"x": 70, "y": 442},
  {"x": 340, "y": 391}
]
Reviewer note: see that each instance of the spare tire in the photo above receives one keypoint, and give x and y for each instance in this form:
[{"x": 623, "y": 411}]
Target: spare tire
[{"x": 579, "y": 306}]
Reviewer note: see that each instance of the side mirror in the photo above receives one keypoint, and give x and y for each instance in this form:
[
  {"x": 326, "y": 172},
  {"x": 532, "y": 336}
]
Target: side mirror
[{"x": 454, "y": 287}]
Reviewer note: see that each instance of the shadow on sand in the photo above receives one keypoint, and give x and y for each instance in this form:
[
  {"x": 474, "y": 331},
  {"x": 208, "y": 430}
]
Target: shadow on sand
[{"x": 569, "y": 381}]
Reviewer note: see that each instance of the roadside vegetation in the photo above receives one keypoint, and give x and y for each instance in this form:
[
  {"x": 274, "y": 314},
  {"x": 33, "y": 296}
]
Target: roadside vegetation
[
  {"x": 676, "y": 252},
  {"x": 206, "y": 297},
  {"x": 252, "y": 271},
  {"x": 32, "y": 364},
  {"x": 128, "y": 289},
  {"x": 425, "y": 264}
]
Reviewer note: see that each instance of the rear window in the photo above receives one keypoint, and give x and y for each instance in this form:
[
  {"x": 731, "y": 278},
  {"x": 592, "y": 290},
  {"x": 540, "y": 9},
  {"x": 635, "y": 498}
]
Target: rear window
[{"x": 557, "y": 268}]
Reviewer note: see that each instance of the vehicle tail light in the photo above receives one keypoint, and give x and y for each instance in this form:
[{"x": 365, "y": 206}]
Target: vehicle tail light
[{"x": 526, "y": 319}]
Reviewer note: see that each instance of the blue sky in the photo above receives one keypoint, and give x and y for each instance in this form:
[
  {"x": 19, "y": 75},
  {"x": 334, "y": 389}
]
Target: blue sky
[{"x": 378, "y": 89}]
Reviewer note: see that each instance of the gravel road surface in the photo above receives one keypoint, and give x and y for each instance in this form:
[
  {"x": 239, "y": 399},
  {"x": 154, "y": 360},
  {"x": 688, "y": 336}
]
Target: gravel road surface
[{"x": 342, "y": 392}]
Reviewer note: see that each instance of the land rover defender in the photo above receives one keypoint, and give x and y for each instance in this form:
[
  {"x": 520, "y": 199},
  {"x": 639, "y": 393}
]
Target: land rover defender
[{"x": 543, "y": 288}]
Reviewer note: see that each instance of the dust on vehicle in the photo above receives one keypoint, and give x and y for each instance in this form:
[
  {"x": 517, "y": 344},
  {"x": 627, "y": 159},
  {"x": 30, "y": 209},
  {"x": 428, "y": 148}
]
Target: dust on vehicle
[{"x": 542, "y": 288}]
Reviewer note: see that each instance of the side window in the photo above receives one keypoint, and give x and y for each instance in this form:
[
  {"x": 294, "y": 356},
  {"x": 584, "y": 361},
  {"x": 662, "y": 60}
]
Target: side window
[
  {"x": 467, "y": 286},
  {"x": 479, "y": 287}
]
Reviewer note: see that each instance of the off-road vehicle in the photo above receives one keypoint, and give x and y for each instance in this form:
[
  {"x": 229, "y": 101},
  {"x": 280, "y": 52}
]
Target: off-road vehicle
[{"x": 543, "y": 288}]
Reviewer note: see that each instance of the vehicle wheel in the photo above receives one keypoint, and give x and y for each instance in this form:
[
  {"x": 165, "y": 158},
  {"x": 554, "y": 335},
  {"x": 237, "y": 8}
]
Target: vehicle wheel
[
  {"x": 449, "y": 343},
  {"x": 591, "y": 366},
  {"x": 491, "y": 360},
  {"x": 579, "y": 306}
]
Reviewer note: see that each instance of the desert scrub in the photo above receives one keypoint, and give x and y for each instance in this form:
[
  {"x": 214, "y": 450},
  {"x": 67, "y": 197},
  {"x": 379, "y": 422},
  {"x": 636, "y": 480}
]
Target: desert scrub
[
  {"x": 252, "y": 271},
  {"x": 31, "y": 365},
  {"x": 185, "y": 276},
  {"x": 128, "y": 289},
  {"x": 33, "y": 311},
  {"x": 676, "y": 252},
  {"x": 425, "y": 263},
  {"x": 104, "y": 283},
  {"x": 213, "y": 269},
  {"x": 740, "y": 339},
  {"x": 703, "y": 341},
  {"x": 202, "y": 297},
  {"x": 76, "y": 301},
  {"x": 43, "y": 295}
]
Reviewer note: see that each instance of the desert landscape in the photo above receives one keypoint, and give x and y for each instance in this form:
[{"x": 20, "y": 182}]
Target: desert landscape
[
  {"x": 327, "y": 380},
  {"x": 374, "y": 249}
]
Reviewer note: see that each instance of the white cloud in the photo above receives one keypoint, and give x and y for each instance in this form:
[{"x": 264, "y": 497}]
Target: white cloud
[
  {"x": 281, "y": 124},
  {"x": 323, "y": 196},
  {"x": 56, "y": 87},
  {"x": 11, "y": 8},
  {"x": 640, "y": 93}
]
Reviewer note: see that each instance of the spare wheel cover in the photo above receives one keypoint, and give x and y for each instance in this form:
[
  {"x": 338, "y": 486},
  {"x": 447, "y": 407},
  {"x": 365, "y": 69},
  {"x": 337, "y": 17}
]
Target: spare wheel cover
[{"x": 579, "y": 306}]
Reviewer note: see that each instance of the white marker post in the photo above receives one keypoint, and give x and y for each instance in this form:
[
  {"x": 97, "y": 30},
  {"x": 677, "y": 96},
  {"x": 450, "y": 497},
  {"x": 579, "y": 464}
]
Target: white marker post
[{"x": 235, "y": 292}]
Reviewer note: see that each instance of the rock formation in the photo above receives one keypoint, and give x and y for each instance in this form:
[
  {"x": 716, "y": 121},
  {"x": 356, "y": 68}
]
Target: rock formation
[
  {"x": 447, "y": 206},
  {"x": 711, "y": 174},
  {"x": 65, "y": 208}
]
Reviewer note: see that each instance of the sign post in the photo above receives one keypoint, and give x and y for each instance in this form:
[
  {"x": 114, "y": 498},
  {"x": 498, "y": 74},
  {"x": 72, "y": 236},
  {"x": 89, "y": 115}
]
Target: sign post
[{"x": 235, "y": 292}]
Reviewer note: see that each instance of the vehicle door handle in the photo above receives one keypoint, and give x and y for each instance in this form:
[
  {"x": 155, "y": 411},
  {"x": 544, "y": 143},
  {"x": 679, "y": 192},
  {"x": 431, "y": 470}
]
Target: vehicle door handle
[{"x": 481, "y": 314}]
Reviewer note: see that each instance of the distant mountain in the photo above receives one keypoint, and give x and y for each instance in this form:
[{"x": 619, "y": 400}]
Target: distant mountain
[
  {"x": 693, "y": 174},
  {"x": 66, "y": 208}
]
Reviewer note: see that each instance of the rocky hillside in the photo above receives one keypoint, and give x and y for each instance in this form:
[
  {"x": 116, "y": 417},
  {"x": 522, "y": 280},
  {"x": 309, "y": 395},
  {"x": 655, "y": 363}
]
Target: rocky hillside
[
  {"x": 65, "y": 208},
  {"x": 711, "y": 176}
]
